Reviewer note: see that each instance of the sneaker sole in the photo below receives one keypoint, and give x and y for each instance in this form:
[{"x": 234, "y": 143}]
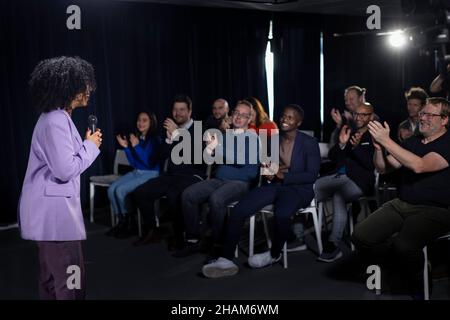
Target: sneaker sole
[
  {"x": 214, "y": 273},
  {"x": 338, "y": 256},
  {"x": 255, "y": 266}
]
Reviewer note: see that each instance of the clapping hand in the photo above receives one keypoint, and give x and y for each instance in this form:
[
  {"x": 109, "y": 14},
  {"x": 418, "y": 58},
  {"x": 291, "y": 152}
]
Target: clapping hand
[
  {"x": 170, "y": 127},
  {"x": 336, "y": 116},
  {"x": 122, "y": 142},
  {"x": 134, "y": 140},
  {"x": 356, "y": 139},
  {"x": 344, "y": 135},
  {"x": 211, "y": 142},
  {"x": 379, "y": 132}
]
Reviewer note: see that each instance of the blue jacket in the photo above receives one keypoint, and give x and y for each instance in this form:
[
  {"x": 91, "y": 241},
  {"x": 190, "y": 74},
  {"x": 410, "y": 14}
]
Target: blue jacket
[{"x": 139, "y": 157}]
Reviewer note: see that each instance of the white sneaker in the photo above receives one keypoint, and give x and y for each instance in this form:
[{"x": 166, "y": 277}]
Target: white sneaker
[
  {"x": 262, "y": 260},
  {"x": 222, "y": 267}
]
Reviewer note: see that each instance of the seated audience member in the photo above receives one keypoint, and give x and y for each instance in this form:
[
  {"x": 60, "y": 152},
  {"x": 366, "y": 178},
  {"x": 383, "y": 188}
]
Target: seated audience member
[
  {"x": 220, "y": 111},
  {"x": 291, "y": 188},
  {"x": 231, "y": 181},
  {"x": 352, "y": 177},
  {"x": 415, "y": 98},
  {"x": 353, "y": 97},
  {"x": 177, "y": 178},
  {"x": 260, "y": 119},
  {"x": 399, "y": 230},
  {"x": 141, "y": 150}
]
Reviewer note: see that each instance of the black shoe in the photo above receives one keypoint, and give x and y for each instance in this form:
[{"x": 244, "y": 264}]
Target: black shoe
[
  {"x": 152, "y": 236},
  {"x": 190, "y": 248},
  {"x": 330, "y": 252},
  {"x": 119, "y": 227}
]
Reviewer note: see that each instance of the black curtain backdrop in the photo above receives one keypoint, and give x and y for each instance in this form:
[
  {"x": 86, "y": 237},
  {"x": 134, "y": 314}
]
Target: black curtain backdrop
[
  {"x": 370, "y": 62},
  {"x": 296, "y": 47},
  {"x": 143, "y": 55}
]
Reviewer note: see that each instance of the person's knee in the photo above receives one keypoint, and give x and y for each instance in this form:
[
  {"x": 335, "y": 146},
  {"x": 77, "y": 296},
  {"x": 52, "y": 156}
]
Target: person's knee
[
  {"x": 359, "y": 239},
  {"x": 121, "y": 192},
  {"x": 216, "y": 201},
  {"x": 188, "y": 197},
  {"x": 111, "y": 192},
  {"x": 403, "y": 248}
]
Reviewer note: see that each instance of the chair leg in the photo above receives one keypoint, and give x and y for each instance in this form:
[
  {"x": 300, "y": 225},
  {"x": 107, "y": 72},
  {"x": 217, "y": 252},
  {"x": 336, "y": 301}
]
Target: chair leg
[
  {"x": 285, "y": 262},
  {"x": 113, "y": 222},
  {"x": 157, "y": 211},
  {"x": 320, "y": 214},
  {"x": 91, "y": 201},
  {"x": 350, "y": 223},
  {"x": 251, "y": 236},
  {"x": 426, "y": 287},
  {"x": 318, "y": 226},
  {"x": 139, "y": 222},
  {"x": 266, "y": 230}
]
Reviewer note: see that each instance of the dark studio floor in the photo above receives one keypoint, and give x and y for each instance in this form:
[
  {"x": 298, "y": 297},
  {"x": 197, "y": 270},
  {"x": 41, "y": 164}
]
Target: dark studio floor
[{"x": 117, "y": 270}]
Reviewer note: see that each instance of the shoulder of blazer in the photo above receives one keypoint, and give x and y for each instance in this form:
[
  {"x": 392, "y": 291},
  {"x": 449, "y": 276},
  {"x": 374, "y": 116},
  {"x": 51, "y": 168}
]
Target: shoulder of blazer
[{"x": 303, "y": 138}]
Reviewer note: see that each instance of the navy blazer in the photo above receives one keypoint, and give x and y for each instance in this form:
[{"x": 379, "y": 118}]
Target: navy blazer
[{"x": 305, "y": 164}]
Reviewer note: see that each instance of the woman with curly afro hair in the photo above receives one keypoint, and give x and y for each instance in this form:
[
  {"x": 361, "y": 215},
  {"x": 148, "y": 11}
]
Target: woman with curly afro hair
[{"x": 49, "y": 207}]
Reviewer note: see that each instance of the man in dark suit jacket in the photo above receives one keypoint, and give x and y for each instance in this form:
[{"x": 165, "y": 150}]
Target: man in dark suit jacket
[
  {"x": 290, "y": 189},
  {"x": 352, "y": 177},
  {"x": 178, "y": 176}
]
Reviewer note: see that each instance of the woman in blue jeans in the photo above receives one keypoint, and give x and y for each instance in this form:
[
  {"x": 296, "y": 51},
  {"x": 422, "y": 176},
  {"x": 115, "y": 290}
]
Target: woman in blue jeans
[{"x": 142, "y": 153}]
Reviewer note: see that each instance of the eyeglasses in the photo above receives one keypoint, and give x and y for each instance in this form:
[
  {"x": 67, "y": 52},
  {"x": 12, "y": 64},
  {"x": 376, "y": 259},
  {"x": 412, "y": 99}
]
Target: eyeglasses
[
  {"x": 241, "y": 115},
  {"x": 361, "y": 115},
  {"x": 429, "y": 115}
]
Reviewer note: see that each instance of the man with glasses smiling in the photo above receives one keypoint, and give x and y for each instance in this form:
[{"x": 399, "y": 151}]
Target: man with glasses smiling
[
  {"x": 352, "y": 177},
  {"x": 421, "y": 212},
  {"x": 231, "y": 181}
]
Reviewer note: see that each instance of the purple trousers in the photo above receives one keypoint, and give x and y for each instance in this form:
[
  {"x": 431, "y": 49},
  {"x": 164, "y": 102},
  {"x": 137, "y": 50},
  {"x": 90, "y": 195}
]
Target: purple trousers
[{"x": 62, "y": 273}]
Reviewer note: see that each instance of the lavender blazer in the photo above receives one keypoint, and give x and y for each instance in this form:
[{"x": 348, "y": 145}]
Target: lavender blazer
[{"x": 49, "y": 206}]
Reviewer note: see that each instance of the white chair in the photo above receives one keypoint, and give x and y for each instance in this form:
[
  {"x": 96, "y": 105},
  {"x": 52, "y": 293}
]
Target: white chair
[
  {"x": 308, "y": 132},
  {"x": 105, "y": 181},
  {"x": 426, "y": 287},
  {"x": 269, "y": 210},
  {"x": 324, "y": 149}
]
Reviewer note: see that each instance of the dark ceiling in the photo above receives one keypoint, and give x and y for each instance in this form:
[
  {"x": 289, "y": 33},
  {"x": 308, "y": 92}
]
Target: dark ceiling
[{"x": 389, "y": 8}]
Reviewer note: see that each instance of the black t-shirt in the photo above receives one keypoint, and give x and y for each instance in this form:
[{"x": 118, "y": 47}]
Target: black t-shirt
[{"x": 431, "y": 188}]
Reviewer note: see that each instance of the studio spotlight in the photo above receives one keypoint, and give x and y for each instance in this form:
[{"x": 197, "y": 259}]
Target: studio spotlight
[{"x": 398, "y": 39}]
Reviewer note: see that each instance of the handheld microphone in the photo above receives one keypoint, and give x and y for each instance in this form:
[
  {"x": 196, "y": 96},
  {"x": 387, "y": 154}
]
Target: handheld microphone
[{"x": 92, "y": 123}]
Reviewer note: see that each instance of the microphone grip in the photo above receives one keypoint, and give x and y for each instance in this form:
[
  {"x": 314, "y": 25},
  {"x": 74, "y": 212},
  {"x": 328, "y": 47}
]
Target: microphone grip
[{"x": 93, "y": 128}]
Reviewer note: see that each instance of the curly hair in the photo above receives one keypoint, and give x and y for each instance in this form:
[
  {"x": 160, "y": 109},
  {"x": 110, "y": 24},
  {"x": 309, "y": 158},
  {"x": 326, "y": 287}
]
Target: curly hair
[{"x": 54, "y": 83}]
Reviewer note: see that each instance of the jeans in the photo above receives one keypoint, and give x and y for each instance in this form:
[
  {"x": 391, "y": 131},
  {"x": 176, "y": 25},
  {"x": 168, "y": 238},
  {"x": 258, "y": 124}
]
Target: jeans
[
  {"x": 342, "y": 190},
  {"x": 126, "y": 184},
  {"x": 219, "y": 193}
]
